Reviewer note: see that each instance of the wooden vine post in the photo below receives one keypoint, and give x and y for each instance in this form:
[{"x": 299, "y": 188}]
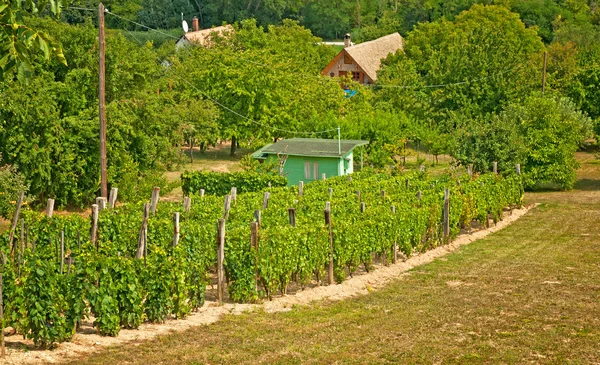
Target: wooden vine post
[
  {"x": 330, "y": 278},
  {"x": 62, "y": 251},
  {"x": 323, "y": 176},
  {"x": 257, "y": 216},
  {"x": 220, "y": 258},
  {"x": 300, "y": 188},
  {"x": 226, "y": 206},
  {"x": 154, "y": 201},
  {"x": 292, "y": 214},
  {"x": 50, "y": 208},
  {"x": 2, "y": 345},
  {"x": 233, "y": 194},
  {"x": 94, "y": 233},
  {"x": 13, "y": 226},
  {"x": 175, "y": 229},
  {"x": 363, "y": 207},
  {"x": 330, "y": 191},
  {"x": 518, "y": 169},
  {"x": 395, "y": 253},
  {"x": 470, "y": 170},
  {"x": 143, "y": 233},
  {"x": 101, "y": 202},
  {"x": 446, "y": 216},
  {"x": 254, "y": 245},
  {"x": 201, "y": 192},
  {"x": 266, "y": 197},
  {"x": 419, "y": 195},
  {"x": 187, "y": 204},
  {"x": 112, "y": 197},
  {"x": 421, "y": 168},
  {"x": 495, "y": 167}
]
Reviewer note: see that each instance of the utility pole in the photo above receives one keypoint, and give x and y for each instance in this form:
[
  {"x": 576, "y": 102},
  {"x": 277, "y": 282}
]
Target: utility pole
[
  {"x": 544, "y": 73},
  {"x": 102, "y": 111},
  {"x": 339, "y": 141}
]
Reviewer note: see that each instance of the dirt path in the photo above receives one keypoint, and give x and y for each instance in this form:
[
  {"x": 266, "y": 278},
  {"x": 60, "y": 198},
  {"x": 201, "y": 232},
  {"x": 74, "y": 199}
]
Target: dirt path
[{"x": 85, "y": 341}]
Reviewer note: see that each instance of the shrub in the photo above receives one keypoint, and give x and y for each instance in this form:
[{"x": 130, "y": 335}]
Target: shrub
[
  {"x": 215, "y": 183},
  {"x": 12, "y": 183}
]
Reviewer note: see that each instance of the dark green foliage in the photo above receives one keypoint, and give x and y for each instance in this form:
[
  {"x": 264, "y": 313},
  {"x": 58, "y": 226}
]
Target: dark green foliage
[
  {"x": 215, "y": 183},
  {"x": 12, "y": 183}
]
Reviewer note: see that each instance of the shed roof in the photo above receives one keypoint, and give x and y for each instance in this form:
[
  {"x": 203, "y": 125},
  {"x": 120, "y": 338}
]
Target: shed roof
[
  {"x": 315, "y": 147},
  {"x": 202, "y": 37},
  {"x": 368, "y": 55}
]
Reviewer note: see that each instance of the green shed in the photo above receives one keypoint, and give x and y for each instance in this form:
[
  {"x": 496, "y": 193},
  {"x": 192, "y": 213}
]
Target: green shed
[{"x": 307, "y": 159}]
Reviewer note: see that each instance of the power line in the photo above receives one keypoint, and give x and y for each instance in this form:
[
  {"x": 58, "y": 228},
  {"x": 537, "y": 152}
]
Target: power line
[
  {"x": 85, "y": 9},
  {"x": 141, "y": 25},
  {"x": 442, "y": 85}
]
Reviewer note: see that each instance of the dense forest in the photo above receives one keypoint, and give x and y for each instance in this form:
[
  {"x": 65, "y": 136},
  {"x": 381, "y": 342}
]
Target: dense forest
[{"x": 468, "y": 83}]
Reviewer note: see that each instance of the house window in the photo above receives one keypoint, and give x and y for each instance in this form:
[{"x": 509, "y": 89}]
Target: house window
[
  {"x": 307, "y": 170},
  {"x": 347, "y": 59},
  {"x": 356, "y": 76},
  {"x": 315, "y": 171}
]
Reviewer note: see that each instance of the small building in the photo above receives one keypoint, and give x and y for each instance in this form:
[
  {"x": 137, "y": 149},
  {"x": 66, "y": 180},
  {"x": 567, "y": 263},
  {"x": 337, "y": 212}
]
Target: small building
[
  {"x": 201, "y": 37},
  {"x": 307, "y": 159},
  {"x": 362, "y": 61}
]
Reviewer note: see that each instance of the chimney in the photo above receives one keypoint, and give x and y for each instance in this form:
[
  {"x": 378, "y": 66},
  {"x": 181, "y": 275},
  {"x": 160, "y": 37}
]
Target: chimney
[
  {"x": 347, "y": 42},
  {"x": 195, "y": 24}
]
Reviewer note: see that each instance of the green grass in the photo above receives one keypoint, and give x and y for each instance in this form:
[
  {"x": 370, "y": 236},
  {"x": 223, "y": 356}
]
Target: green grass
[{"x": 527, "y": 294}]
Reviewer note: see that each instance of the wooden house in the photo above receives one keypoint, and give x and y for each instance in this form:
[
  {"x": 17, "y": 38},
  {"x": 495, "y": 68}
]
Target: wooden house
[
  {"x": 362, "y": 61},
  {"x": 308, "y": 159},
  {"x": 201, "y": 37}
]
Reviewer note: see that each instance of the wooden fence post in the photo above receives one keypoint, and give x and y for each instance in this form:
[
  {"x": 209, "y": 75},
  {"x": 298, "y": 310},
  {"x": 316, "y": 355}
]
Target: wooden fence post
[
  {"x": 112, "y": 197},
  {"x": 2, "y": 345},
  {"x": 94, "y": 233},
  {"x": 101, "y": 202},
  {"x": 330, "y": 277},
  {"x": 50, "y": 208},
  {"x": 395, "y": 253},
  {"x": 226, "y": 206},
  {"x": 175, "y": 229},
  {"x": 323, "y": 176},
  {"x": 254, "y": 244},
  {"x": 328, "y": 206},
  {"x": 407, "y": 183},
  {"x": 446, "y": 216},
  {"x": 421, "y": 168},
  {"x": 470, "y": 170},
  {"x": 518, "y": 169},
  {"x": 419, "y": 195},
  {"x": 382, "y": 192},
  {"x": 257, "y": 216},
  {"x": 363, "y": 207},
  {"x": 349, "y": 178},
  {"x": 220, "y": 258},
  {"x": 495, "y": 167},
  {"x": 301, "y": 188},
  {"x": 292, "y": 214},
  {"x": 266, "y": 197},
  {"x": 330, "y": 191},
  {"x": 154, "y": 201},
  {"x": 13, "y": 226},
  {"x": 233, "y": 194},
  {"x": 142, "y": 236},
  {"x": 358, "y": 194},
  {"x": 201, "y": 192},
  {"x": 187, "y": 204},
  {"x": 62, "y": 251}
]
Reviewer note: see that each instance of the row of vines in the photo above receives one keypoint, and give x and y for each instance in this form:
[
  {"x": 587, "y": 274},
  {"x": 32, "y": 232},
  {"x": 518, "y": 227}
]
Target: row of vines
[{"x": 54, "y": 275}]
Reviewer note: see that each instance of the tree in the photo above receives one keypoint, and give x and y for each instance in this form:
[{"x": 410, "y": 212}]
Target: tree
[{"x": 18, "y": 41}]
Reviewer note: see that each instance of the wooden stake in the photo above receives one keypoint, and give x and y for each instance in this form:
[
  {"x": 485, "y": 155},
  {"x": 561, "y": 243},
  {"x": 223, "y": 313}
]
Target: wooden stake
[
  {"x": 330, "y": 277},
  {"x": 421, "y": 168},
  {"x": 518, "y": 169},
  {"x": 382, "y": 192},
  {"x": 330, "y": 191},
  {"x": 407, "y": 183},
  {"x": 292, "y": 214},
  {"x": 94, "y": 233},
  {"x": 201, "y": 192},
  {"x": 13, "y": 226},
  {"x": 142, "y": 235},
  {"x": 300, "y": 188},
  {"x": 495, "y": 168},
  {"x": 257, "y": 216},
  {"x": 254, "y": 244},
  {"x": 446, "y": 216},
  {"x": 112, "y": 199},
  {"x": 50, "y": 208},
  {"x": 154, "y": 201},
  {"x": 62, "y": 251},
  {"x": 233, "y": 194},
  {"x": 220, "y": 258},
  {"x": 470, "y": 170},
  {"x": 328, "y": 206},
  {"x": 349, "y": 178},
  {"x": 176, "y": 229},
  {"x": 358, "y": 194},
  {"x": 266, "y": 197},
  {"x": 363, "y": 207},
  {"x": 2, "y": 345},
  {"x": 187, "y": 204},
  {"x": 419, "y": 195},
  {"x": 323, "y": 176},
  {"x": 226, "y": 206},
  {"x": 101, "y": 202},
  {"x": 101, "y": 102}
]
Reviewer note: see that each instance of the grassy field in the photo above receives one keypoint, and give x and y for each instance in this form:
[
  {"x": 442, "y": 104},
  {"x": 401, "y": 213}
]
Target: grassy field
[{"x": 527, "y": 294}]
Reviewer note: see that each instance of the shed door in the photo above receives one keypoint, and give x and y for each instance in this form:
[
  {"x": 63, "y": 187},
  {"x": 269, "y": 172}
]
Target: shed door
[
  {"x": 306, "y": 170},
  {"x": 315, "y": 171}
]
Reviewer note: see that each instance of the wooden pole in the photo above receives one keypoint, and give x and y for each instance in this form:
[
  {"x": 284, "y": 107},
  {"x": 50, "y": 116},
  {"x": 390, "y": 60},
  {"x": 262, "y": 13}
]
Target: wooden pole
[
  {"x": 187, "y": 204},
  {"x": 202, "y": 192},
  {"x": 330, "y": 277},
  {"x": 323, "y": 176},
  {"x": 176, "y": 229},
  {"x": 101, "y": 102},
  {"x": 142, "y": 236},
  {"x": 226, "y": 206},
  {"x": 544, "y": 73},
  {"x": 266, "y": 197},
  {"x": 421, "y": 168},
  {"x": 254, "y": 244},
  {"x": 220, "y": 258},
  {"x": 495, "y": 168},
  {"x": 330, "y": 191},
  {"x": 13, "y": 226},
  {"x": 358, "y": 194},
  {"x": 419, "y": 195},
  {"x": 2, "y": 345},
  {"x": 154, "y": 201},
  {"x": 292, "y": 214},
  {"x": 62, "y": 251},
  {"x": 447, "y": 216},
  {"x": 395, "y": 249},
  {"x": 101, "y": 202},
  {"x": 363, "y": 207},
  {"x": 257, "y": 216},
  {"x": 518, "y": 169},
  {"x": 382, "y": 192},
  {"x": 112, "y": 199},
  {"x": 94, "y": 234},
  {"x": 50, "y": 208},
  {"x": 233, "y": 194},
  {"x": 470, "y": 170},
  {"x": 300, "y": 188}
]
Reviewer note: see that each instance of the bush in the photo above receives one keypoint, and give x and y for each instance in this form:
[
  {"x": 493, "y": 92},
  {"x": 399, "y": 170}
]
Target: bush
[
  {"x": 12, "y": 183},
  {"x": 215, "y": 183}
]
